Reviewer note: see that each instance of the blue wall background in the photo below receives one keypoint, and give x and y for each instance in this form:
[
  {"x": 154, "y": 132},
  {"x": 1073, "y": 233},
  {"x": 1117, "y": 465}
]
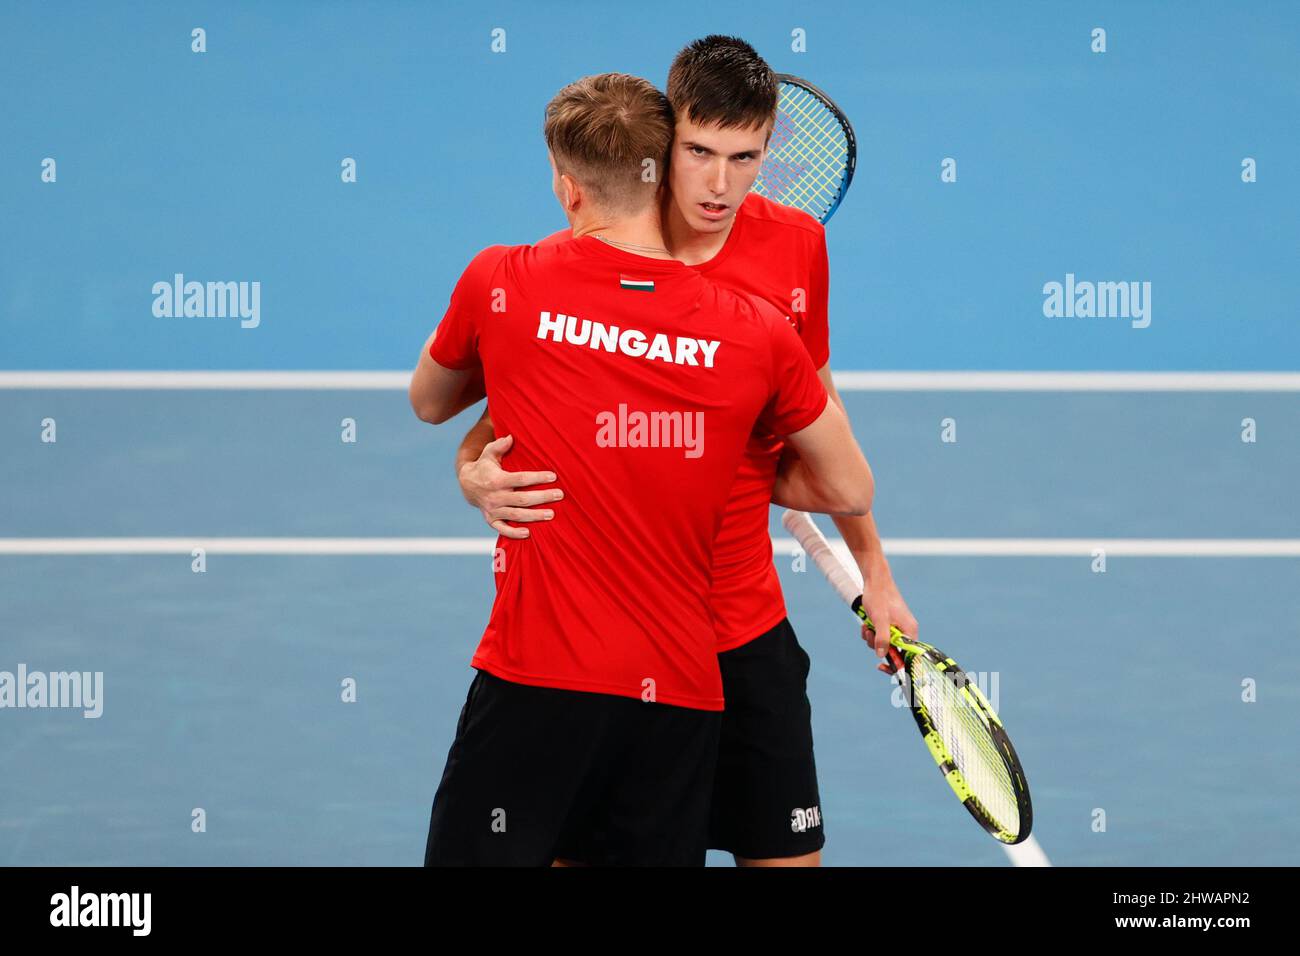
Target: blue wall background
[{"x": 1122, "y": 166}]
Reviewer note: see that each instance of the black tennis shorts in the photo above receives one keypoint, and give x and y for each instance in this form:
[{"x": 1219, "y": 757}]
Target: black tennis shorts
[
  {"x": 765, "y": 800},
  {"x": 536, "y": 773}
]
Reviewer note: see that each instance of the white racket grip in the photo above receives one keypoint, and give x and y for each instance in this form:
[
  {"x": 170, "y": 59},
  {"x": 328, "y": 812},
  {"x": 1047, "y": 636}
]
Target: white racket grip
[{"x": 845, "y": 579}]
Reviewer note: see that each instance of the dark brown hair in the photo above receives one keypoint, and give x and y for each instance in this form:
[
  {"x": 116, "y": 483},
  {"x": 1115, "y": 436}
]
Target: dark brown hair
[
  {"x": 602, "y": 129},
  {"x": 722, "y": 80}
]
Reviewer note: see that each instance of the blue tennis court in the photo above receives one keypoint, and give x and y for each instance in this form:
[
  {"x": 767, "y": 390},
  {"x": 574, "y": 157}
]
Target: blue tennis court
[{"x": 223, "y": 689}]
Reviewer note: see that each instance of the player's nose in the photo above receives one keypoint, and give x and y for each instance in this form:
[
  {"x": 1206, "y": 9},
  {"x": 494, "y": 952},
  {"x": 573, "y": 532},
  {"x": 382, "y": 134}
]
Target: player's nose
[{"x": 718, "y": 179}]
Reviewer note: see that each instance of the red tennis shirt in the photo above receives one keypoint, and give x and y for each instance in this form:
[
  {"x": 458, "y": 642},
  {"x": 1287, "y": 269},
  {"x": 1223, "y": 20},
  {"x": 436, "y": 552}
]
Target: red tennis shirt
[
  {"x": 639, "y": 383},
  {"x": 778, "y": 254}
]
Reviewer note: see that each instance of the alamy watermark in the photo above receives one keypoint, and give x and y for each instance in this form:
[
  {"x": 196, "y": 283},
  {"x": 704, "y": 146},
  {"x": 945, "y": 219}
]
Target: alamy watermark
[
  {"x": 928, "y": 686},
  {"x": 129, "y": 910},
  {"x": 75, "y": 690},
  {"x": 636, "y": 429},
  {"x": 1102, "y": 300},
  {"x": 209, "y": 300}
]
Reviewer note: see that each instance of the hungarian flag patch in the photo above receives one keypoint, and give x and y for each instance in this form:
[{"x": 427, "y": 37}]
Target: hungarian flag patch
[{"x": 640, "y": 285}]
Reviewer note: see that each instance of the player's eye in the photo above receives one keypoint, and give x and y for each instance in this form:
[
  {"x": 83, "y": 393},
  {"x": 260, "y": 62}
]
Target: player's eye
[{"x": 699, "y": 151}]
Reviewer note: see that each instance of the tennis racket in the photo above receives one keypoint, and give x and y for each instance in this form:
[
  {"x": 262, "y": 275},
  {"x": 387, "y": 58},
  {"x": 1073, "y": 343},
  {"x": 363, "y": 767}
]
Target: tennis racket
[
  {"x": 810, "y": 158},
  {"x": 961, "y": 731}
]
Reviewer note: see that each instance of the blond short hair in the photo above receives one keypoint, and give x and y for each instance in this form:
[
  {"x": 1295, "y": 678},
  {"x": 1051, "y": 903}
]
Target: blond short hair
[{"x": 602, "y": 129}]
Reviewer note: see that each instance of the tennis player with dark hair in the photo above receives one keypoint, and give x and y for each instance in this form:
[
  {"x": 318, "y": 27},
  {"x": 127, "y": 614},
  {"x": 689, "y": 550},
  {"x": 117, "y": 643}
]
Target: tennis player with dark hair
[
  {"x": 590, "y": 731},
  {"x": 766, "y": 808}
]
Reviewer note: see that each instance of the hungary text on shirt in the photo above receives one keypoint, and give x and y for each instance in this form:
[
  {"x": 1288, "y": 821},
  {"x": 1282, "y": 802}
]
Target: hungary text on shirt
[{"x": 675, "y": 350}]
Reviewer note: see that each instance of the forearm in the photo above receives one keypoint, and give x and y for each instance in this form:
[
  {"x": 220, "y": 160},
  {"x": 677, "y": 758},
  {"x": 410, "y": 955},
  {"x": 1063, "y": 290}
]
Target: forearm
[
  {"x": 798, "y": 487},
  {"x": 863, "y": 540},
  {"x": 858, "y": 531},
  {"x": 836, "y": 476},
  {"x": 475, "y": 440}
]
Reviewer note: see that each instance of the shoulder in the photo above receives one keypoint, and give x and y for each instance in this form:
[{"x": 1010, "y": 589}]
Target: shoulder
[
  {"x": 563, "y": 235},
  {"x": 749, "y": 309},
  {"x": 777, "y": 218},
  {"x": 496, "y": 263},
  {"x": 487, "y": 261}
]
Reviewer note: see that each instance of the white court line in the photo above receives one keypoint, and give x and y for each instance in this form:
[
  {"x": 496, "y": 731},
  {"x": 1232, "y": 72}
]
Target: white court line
[
  {"x": 924, "y": 547},
  {"x": 1067, "y": 381},
  {"x": 300, "y": 546},
  {"x": 1074, "y": 547},
  {"x": 845, "y": 381},
  {"x": 252, "y": 381}
]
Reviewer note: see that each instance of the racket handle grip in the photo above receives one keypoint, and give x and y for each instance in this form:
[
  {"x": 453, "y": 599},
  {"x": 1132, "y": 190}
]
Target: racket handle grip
[{"x": 845, "y": 579}]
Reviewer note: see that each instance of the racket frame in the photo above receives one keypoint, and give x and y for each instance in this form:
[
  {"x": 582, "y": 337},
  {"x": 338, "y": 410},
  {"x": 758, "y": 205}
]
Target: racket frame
[
  {"x": 900, "y": 654},
  {"x": 851, "y": 148}
]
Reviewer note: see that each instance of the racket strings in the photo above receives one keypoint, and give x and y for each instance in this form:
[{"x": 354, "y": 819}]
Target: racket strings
[
  {"x": 807, "y": 159},
  {"x": 967, "y": 738},
  {"x": 808, "y": 171}
]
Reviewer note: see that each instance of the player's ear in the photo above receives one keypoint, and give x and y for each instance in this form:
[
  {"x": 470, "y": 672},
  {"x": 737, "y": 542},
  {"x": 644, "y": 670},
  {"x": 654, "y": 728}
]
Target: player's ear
[{"x": 571, "y": 192}]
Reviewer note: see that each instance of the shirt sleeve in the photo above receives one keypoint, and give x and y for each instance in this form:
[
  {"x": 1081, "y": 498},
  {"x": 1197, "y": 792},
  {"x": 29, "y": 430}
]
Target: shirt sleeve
[
  {"x": 456, "y": 344},
  {"x": 815, "y": 330},
  {"x": 797, "y": 394}
]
